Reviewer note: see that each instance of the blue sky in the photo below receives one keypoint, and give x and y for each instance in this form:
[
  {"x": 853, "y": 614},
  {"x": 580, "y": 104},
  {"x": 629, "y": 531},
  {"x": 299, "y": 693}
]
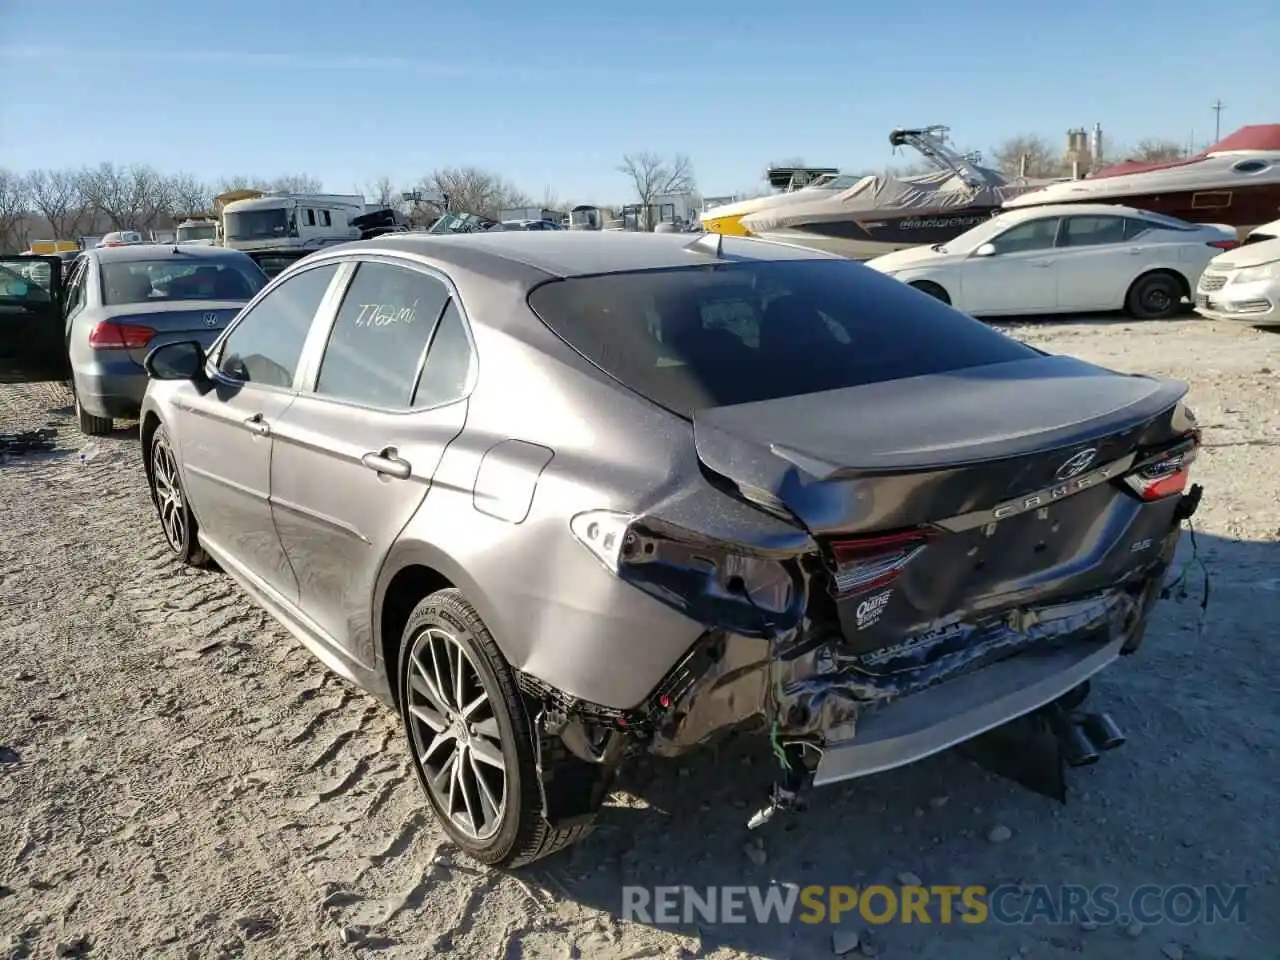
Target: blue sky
[{"x": 553, "y": 93}]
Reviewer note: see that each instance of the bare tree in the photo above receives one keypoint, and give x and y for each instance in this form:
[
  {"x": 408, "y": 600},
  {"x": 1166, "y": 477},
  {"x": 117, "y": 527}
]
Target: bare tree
[
  {"x": 13, "y": 212},
  {"x": 384, "y": 192},
  {"x": 131, "y": 198},
  {"x": 188, "y": 195},
  {"x": 297, "y": 183},
  {"x": 289, "y": 183},
  {"x": 1156, "y": 150},
  {"x": 58, "y": 197},
  {"x": 654, "y": 176},
  {"x": 1028, "y": 154},
  {"x": 472, "y": 190}
]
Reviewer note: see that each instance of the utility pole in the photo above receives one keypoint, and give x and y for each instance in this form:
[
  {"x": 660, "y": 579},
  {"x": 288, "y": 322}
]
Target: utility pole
[{"x": 1217, "y": 120}]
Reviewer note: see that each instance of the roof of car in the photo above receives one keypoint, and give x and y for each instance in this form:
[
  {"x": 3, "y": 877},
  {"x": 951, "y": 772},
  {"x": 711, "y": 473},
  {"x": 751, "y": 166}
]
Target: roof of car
[
  {"x": 576, "y": 253},
  {"x": 133, "y": 252},
  {"x": 1074, "y": 209}
]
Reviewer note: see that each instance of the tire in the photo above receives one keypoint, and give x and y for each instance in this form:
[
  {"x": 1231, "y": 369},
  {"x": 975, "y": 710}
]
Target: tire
[
  {"x": 177, "y": 522},
  {"x": 501, "y": 822},
  {"x": 1154, "y": 296},
  {"x": 90, "y": 425},
  {"x": 933, "y": 290}
]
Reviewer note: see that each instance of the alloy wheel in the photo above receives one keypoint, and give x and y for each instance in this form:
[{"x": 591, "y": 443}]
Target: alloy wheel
[
  {"x": 456, "y": 738},
  {"x": 168, "y": 493}
]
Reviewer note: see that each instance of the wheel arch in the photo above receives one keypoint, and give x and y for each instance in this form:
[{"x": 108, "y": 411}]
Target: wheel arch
[
  {"x": 1183, "y": 283},
  {"x": 411, "y": 572},
  {"x": 924, "y": 284},
  {"x": 147, "y": 432}
]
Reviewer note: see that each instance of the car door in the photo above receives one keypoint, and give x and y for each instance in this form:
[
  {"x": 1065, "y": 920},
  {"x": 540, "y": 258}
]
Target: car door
[
  {"x": 1019, "y": 277},
  {"x": 225, "y": 434},
  {"x": 356, "y": 453},
  {"x": 32, "y": 346},
  {"x": 1095, "y": 264}
]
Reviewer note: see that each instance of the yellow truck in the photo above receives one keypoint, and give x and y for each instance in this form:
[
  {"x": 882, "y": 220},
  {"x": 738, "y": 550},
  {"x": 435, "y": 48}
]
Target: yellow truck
[{"x": 46, "y": 248}]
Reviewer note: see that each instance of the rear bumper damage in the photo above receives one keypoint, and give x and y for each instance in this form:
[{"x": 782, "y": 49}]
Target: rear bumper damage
[
  {"x": 844, "y": 715},
  {"x": 972, "y": 677}
]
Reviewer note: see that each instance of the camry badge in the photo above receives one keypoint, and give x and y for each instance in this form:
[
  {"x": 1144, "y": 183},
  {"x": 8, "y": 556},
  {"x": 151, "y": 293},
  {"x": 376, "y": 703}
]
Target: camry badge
[{"x": 1076, "y": 464}]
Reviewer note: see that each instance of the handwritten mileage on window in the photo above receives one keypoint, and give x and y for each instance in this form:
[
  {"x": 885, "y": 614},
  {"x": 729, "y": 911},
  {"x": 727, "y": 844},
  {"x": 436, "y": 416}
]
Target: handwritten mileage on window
[{"x": 386, "y": 314}]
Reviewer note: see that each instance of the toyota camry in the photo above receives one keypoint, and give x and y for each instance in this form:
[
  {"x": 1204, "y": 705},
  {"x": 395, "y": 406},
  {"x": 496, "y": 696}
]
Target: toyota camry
[{"x": 559, "y": 498}]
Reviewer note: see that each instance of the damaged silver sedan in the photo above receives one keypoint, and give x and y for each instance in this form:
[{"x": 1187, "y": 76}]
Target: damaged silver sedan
[{"x": 564, "y": 497}]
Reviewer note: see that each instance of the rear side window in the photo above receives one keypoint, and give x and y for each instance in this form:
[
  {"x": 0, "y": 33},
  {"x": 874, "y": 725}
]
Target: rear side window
[
  {"x": 1092, "y": 231},
  {"x": 377, "y": 342},
  {"x": 446, "y": 373},
  {"x": 698, "y": 337}
]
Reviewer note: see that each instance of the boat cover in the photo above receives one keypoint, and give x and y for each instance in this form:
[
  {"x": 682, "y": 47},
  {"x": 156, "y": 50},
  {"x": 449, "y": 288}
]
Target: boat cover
[{"x": 878, "y": 195}]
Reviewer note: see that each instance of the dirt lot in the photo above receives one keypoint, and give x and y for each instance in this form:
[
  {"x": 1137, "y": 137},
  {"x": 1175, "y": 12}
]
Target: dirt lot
[{"x": 178, "y": 778}]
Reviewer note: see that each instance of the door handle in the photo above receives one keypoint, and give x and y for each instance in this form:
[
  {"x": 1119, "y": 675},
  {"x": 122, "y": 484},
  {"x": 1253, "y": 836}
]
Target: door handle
[
  {"x": 388, "y": 463},
  {"x": 1040, "y": 263},
  {"x": 1134, "y": 251},
  {"x": 256, "y": 424}
]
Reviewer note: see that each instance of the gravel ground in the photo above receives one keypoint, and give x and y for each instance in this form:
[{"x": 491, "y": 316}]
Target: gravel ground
[{"x": 178, "y": 778}]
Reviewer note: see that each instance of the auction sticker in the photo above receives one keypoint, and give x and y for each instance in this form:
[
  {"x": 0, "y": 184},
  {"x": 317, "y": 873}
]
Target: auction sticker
[{"x": 870, "y": 609}]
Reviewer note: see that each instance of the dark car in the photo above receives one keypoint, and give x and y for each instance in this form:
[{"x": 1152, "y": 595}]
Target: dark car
[
  {"x": 123, "y": 301},
  {"x": 563, "y": 497}
]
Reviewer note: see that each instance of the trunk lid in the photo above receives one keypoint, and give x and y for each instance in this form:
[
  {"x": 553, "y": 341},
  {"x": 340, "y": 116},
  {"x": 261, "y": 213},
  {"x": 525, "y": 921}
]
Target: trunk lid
[
  {"x": 200, "y": 320},
  {"x": 969, "y": 492}
]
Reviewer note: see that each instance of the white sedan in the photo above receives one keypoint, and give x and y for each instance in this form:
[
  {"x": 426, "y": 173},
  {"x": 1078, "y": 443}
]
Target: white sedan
[
  {"x": 1065, "y": 258},
  {"x": 1243, "y": 285}
]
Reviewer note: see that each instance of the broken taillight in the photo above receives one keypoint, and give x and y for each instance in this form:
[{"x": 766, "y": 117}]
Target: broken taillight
[
  {"x": 716, "y": 583},
  {"x": 1166, "y": 474},
  {"x": 866, "y": 563}
]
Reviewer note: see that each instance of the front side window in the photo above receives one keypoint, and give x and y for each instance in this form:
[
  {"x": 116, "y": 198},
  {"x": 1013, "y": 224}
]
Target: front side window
[
  {"x": 180, "y": 278},
  {"x": 1092, "y": 231},
  {"x": 380, "y": 334},
  {"x": 266, "y": 343},
  {"x": 25, "y": 282},
  {"x": 196, "y": 231},
  {"x": 257, "y": 224},
  {"x": 691, "y": 338},
  {"x": 1029, "y": 236}
]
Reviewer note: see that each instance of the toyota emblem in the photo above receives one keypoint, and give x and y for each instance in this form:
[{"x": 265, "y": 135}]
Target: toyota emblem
[
  {"x": 211, "y": 319},
  {"x": 1077, "y": 464}
]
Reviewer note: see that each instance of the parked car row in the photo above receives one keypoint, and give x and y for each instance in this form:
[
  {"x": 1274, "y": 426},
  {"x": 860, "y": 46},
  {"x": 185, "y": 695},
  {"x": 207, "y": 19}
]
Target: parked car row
[
  {"x": 1067, "y": 258},
  {"x": 1244, "y": 284},
  {"x": 1079, "y": 258}
]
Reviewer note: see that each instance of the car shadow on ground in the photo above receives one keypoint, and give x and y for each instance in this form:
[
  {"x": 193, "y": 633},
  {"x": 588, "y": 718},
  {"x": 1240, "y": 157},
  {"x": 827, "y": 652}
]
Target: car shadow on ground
[
  {"x": 1183, "y": 802},
  {"x": 1109, "y": 319}
]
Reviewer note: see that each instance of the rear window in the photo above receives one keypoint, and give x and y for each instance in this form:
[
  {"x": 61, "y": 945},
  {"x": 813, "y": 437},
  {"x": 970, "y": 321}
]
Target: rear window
[
  {"x": 698, "y": 337},
  {"x": 157, "y": 281}
]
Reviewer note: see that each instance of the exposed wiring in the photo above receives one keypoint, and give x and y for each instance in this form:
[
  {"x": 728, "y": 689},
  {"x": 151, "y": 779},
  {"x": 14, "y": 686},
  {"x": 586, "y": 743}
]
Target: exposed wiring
[
  {"x": 1177, "y": 588},
  {"x": 774, "y": 688}
]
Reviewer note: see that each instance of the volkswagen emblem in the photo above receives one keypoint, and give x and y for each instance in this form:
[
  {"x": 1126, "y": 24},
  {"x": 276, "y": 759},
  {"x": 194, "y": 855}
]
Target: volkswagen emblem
[
  {"x": 1076, "y": 464},
  {"x": 210, "y": 319}
]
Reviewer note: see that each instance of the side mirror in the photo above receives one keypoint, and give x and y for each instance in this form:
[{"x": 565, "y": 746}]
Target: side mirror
[
  {"x": 986, "y": 250},
  {"x": 183, "y": 360}
]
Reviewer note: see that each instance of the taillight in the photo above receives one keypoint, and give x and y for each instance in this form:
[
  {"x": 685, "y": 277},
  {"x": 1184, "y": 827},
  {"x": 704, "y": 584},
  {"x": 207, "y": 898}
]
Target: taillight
[
  {"x": 715, "y": 583},
  {"x": 107, "y": 335},
  {"x": 1167, "y": 474},
  {"x": 1224, "y": 244},
  {"x": 866, "y": 563}
]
